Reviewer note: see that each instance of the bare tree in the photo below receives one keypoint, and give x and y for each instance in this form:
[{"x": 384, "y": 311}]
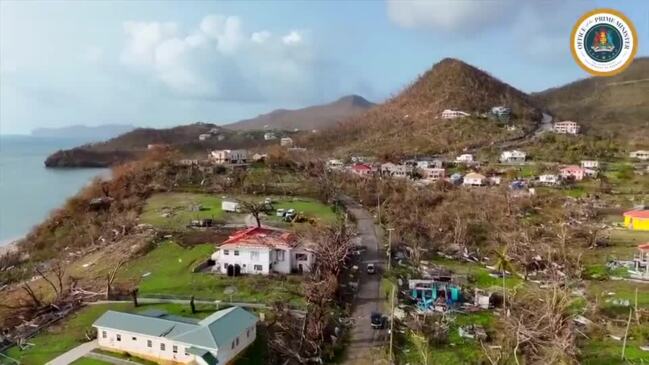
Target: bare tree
[{"x": 254, "y": 208}]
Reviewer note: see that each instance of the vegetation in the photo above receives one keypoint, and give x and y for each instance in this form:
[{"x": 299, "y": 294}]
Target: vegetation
[
  {"x": 613, "y": 107},
  {"x": 168, "y": 271},
  {"x": 409, "y": 123}
]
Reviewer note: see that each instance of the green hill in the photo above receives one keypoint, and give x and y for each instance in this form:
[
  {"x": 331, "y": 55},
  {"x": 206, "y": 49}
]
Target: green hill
[{"x": 615, "y": 106}]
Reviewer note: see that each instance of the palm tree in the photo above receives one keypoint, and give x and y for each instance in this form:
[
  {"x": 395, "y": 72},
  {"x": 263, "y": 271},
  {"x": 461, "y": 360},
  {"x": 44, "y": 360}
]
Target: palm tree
[{"x": 504, "y": 264}]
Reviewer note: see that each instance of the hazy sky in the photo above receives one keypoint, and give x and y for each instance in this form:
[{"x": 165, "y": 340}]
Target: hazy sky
[{"x": 161, "y": 63}]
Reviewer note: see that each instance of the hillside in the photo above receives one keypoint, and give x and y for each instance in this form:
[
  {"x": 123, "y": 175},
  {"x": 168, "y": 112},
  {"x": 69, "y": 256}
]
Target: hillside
[
  {"x": 615, "y": 106},
  {"x": 410, "y": 122},
  {"x": 313, "y": 117},
  {"x": 133, "y": 144}
]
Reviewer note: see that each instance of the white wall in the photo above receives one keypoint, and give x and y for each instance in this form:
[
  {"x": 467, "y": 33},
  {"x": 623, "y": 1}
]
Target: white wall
[
  {"x": 228, "y": 353},
  {"x": 245, "y": 259},
  {"x": 139, "y": 345}
]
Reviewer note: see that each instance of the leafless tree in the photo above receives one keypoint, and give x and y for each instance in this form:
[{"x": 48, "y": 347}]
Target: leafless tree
[{"x": 254, "y": 208}]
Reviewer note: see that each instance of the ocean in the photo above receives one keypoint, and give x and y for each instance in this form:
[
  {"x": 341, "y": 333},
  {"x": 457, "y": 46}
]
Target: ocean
[{"x": 28, "y": 190}]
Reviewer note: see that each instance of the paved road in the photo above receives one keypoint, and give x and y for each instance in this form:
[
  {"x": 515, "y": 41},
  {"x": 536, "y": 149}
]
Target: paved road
[
  {"x": 365, "y": 342},
  {"x": 545, "y": 125},
  {"x": 74, "y": 354}
]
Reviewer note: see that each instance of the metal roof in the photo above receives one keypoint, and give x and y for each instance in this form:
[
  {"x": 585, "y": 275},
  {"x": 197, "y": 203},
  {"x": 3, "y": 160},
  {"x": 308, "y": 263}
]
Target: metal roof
[{"x": 212, "y": 332}]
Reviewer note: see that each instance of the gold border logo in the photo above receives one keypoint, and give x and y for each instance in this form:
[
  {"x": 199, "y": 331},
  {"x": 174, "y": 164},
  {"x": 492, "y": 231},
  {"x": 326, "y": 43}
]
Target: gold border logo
[{"x": 603, "y": 12}]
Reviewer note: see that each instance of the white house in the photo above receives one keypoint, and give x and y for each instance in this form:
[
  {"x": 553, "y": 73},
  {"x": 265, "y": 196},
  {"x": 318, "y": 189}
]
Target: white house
[
  {"x": 429, "y": 164},
  {"x": 454, "y": 114},
  {"x": 269, "y": 136},
  {"x": 566, "y": 127},
  {"x": 590, "y": 164},
  {"x": 514, "y": 156},
  {"x": 157, "y": 336},
  {"x": 474, "y": 179},
  {"x": 262, "y": 250},
  {"x": 229, "y": 156},
  {"x": 395, "y": 170},
  {"x": 501, "y": 111},
  {"x": 204, "y": 136},
  {"x": 549, "y": 179},
  {"x": 433, "y": 173},
  {"x": 465, "y": 158},
  {"x": 286, "y": 142},
  {"x": 335, "y": 164},
  {"x": 640, "y": 155}
]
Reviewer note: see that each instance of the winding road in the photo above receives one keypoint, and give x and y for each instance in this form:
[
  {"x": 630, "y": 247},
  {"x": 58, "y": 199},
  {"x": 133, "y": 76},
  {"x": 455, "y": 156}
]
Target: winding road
[{"x": 365, "y": 343}]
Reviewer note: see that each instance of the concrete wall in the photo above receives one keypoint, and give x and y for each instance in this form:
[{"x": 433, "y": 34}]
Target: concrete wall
[{"x": 139, "y": 346}]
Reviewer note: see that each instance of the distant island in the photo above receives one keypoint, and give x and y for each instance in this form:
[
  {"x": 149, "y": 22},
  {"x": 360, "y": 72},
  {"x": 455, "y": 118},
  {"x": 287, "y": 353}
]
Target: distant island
[{"x": 90, "y": 133}]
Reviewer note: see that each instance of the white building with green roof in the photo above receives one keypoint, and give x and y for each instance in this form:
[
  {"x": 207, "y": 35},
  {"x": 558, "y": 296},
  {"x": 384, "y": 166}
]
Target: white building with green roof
[{"x": 169, "y": 339}]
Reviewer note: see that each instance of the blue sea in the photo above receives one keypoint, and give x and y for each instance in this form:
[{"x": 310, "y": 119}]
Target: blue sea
[{"x": 28, "y": 190}]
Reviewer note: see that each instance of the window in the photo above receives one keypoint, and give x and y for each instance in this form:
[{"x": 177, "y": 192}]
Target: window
[
  {"x": 237, "y": 341},
  {"x": 254, "y": 255},
  {"x": 133, "y": 338},
  {"x": 149, "y": 343},
  {"x": 248, "y": 332},
  {"x": 301, "y": 256},
  {"x": 280, "y": 255},
  {"x": 258, "y": 268},
  {"x": 103, "y": 334},
  {"x": 162, "y": 347},
  {"x": 236, "y": 252},
  {"x": 119, "y": 337},
  {"x": 226, "y": 252},
  {"x": 186, "y": 353},
  {"x": 233, "y": 345},
  {"x": 174, "y": 349}
]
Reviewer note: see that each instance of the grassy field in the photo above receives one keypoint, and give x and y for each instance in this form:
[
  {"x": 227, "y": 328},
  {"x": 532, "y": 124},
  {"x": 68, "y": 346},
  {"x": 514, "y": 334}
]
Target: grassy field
[
  {"x": 307, "y": 207},
  {"x": 458, "y": 350},
  {"x": 178, "y": 207},
  {"x": 70, "y": 333},
  {"x": 173, "y": 211},
  {"x": 169, "y": 268}
]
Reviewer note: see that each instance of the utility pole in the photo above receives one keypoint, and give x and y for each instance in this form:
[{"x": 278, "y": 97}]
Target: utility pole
[
  {"x": 391, "y": 325},
  {"x": 390, "y": 247},
  {"x": 378, "y": 204}
]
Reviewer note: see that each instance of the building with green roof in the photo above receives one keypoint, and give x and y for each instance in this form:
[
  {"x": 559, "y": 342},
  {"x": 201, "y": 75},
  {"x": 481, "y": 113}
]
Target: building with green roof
[{"x": 168, "y": 339}]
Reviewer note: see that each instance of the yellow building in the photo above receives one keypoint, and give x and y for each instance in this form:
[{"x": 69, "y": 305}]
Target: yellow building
[{"x": 637, "y": 220}]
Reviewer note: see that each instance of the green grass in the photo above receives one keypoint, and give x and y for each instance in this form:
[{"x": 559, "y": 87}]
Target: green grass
[
  {"x": 607, "y": 351},
  {"x": 459, "y": 350},
  {"x": 170, "y": 267},
  {"x": 308, "y": 207},
  {"x": 477, "y": 274},
  {"x": 126, "y": 356},
  {"x": 90, "y": 361},
  {"x": 178, "y": 204}
]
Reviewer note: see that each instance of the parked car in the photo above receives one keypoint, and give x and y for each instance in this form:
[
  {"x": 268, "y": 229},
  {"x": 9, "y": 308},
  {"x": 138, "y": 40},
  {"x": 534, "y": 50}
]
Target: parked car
[
  {"x": 377, "y": 320},
  {"x": 371, "y": 269}
]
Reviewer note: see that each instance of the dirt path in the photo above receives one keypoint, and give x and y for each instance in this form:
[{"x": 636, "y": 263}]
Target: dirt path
[{"x": 365, "y": 343}]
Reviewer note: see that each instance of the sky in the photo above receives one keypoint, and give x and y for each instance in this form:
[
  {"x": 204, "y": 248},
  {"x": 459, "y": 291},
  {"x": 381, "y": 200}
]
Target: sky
[{"x": 163, "y": 63}]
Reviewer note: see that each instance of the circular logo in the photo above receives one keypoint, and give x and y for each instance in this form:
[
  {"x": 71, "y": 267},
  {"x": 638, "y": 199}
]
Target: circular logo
[{"x": 604, "y": 42}]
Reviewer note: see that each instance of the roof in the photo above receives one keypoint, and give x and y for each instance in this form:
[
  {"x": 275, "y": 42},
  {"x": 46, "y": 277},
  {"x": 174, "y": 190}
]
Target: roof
[
  {"x": 637, "y": 214},
  {"x": 474, "y": 175},
  {"x": 262, "y": 236},
  {"x": 361, "y": 166},
  {"x": 214, "y": 331},
  {"x": 572, "y": 168}
]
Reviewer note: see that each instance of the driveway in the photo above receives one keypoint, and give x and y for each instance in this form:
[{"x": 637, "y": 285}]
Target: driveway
[
  {"x": 365, "y": 342},
  {"x": 74, "y": 354}
]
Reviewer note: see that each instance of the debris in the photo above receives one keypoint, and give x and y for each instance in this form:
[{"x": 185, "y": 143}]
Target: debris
[
  {"x": 146, "y": 274},
  {"x": 473, "y": 331}
]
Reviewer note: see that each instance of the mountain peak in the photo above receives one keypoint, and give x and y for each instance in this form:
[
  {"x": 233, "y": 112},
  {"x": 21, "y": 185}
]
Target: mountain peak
[{"x": 354, "y": 100}]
